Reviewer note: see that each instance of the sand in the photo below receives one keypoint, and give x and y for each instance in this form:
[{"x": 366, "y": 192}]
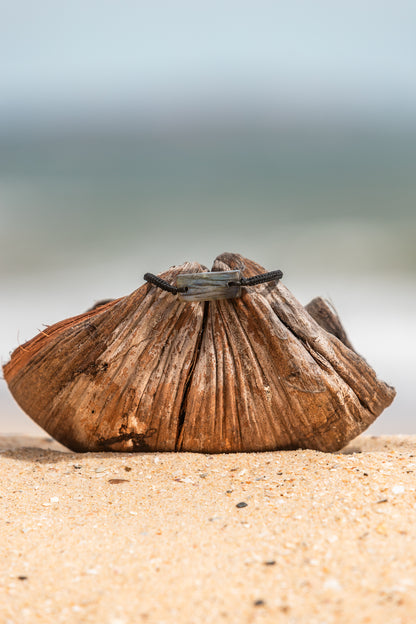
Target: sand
[{"x": 269, "y": 537}]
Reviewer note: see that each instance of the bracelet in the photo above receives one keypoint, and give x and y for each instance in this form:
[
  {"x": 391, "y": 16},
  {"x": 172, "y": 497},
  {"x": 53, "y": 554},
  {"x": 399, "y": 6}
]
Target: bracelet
[{"x": 212, "y": 285}]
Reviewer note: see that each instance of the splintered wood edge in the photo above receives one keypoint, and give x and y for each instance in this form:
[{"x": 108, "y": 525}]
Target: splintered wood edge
[
  {"x": 23, "y": 353},
  {"x": 324, "y": 313}
]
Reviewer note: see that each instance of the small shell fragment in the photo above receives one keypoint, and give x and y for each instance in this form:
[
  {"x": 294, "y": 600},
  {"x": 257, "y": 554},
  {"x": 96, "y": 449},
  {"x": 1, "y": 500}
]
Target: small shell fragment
[{"x": 209, "y": 286}]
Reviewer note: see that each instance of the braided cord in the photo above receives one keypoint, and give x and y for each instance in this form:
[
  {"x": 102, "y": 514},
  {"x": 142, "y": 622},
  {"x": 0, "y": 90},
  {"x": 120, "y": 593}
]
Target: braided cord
[
  {"x": 160, "y": 283},
  {"x": 261, "y": 279}
]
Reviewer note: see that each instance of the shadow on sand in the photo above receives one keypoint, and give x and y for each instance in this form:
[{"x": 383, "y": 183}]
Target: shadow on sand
[{"x": 47, "y": 450}]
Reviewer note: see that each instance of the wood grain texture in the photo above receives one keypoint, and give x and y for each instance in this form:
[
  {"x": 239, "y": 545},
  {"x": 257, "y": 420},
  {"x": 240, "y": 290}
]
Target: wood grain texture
[
  {"x": 149, "y": 372},
  {"x": 307, "y": 388},
  {"x": 114, "y": 378}
]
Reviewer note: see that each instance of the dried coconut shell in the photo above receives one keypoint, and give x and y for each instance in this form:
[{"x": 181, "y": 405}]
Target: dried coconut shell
[{"x": 148, "y": 372}]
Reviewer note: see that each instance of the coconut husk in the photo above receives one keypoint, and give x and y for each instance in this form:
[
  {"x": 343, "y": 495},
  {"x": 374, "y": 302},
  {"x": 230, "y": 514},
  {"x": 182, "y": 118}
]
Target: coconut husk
[{"x": 149, "y": 372}]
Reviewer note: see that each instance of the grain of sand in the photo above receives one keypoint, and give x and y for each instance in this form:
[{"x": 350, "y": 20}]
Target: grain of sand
[{"x": 159, "y": 538}]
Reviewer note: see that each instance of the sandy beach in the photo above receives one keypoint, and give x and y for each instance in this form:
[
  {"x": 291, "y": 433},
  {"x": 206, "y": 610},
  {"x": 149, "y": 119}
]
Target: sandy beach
[{"x": 296, "y": 536}]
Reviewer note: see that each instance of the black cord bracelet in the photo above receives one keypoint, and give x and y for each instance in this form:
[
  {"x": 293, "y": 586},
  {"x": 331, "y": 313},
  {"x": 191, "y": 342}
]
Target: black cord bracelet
[{"x": 211, "y": 285}]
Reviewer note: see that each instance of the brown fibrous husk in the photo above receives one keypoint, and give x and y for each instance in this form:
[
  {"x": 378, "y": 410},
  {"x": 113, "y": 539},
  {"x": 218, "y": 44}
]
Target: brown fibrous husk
[{"x": 148, "y": 372}]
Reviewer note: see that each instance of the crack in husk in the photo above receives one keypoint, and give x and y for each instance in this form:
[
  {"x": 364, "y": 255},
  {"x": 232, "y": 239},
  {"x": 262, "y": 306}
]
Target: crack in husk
[{"x": 182, "y": 411}]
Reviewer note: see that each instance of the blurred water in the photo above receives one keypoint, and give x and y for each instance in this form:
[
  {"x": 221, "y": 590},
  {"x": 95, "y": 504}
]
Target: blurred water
[
  {"x": 190, "y": 189},
  {"x": 83, "y": 215}
]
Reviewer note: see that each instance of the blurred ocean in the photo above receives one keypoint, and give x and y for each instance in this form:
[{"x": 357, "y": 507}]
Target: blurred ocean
[{"x": 86, "y": 211}]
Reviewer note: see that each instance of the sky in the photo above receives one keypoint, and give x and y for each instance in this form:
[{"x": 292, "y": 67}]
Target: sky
[{"x": 106, "y": 57}]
